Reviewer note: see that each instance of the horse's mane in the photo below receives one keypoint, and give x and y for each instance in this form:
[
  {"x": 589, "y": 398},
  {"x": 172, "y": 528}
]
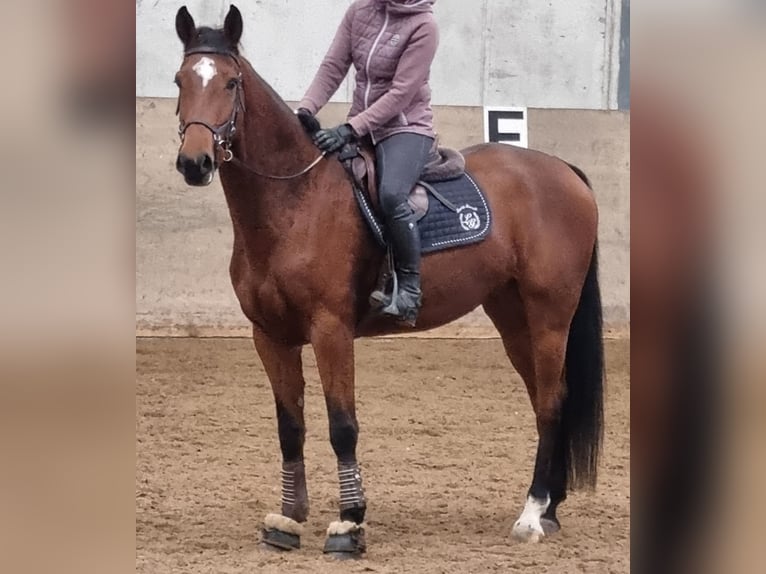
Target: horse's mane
[{"x": 265, "y": 85}]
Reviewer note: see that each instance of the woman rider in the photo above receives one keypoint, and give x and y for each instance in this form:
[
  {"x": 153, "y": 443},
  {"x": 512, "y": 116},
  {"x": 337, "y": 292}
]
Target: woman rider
[{"x": 391, "y": 44}]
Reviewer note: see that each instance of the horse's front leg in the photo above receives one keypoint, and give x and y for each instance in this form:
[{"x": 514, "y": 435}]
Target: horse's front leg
[
  {"x": 333, "y": 342},
  {"x": 284, "y": 369}
]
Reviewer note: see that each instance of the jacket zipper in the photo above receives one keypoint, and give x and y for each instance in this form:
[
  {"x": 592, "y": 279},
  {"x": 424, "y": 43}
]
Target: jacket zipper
[{"x": 369, "y": 59}]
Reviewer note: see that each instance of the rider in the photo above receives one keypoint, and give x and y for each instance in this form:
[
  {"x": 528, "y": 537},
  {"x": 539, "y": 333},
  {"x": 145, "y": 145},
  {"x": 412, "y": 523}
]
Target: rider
[{"x": 391, "y": 44}]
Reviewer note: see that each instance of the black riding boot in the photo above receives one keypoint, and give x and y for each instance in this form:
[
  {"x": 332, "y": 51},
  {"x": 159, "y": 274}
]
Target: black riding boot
[{"x": 404, "y": 236}]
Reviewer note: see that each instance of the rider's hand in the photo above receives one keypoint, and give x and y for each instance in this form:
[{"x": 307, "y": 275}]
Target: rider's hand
[
  {"x": 332, "y": 140},
  {"x": 308, "y": 120}
]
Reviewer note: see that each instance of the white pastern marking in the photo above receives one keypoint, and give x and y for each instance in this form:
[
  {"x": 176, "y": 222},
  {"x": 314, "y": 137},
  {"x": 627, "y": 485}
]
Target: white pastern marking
[
  {"x": 206, "y": 70},
  {"x": 528, "y": 527}
]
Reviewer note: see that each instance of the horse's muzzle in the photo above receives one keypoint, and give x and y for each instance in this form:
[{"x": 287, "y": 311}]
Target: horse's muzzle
[{"x": 197, "y": 171}]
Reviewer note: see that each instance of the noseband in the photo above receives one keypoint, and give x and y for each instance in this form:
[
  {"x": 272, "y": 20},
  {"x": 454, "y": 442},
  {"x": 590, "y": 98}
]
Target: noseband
[{"x": 224, "y": 133}]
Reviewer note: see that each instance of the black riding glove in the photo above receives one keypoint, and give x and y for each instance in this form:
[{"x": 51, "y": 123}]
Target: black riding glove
[
  {"x": 332, "y": 140},
  {"x": 308, "y": 121}
]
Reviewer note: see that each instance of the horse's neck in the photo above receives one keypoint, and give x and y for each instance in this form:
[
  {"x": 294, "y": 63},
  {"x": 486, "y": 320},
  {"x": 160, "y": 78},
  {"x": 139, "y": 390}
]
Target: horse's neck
[{"x": 273, "y": 140}]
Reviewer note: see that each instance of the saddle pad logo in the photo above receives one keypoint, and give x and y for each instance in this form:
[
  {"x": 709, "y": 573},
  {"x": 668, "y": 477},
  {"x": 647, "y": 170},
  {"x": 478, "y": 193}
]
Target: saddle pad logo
[{"x": 469, "y": 218}]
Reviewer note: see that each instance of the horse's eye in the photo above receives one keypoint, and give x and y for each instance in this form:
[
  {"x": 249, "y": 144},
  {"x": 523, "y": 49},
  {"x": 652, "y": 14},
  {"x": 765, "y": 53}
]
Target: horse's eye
[{"x": 231, "y": 84}]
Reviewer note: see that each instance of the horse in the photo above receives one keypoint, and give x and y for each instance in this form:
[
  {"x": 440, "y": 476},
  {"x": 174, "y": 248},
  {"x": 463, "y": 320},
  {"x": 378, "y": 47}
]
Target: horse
[{"x": 303, "y": 264}]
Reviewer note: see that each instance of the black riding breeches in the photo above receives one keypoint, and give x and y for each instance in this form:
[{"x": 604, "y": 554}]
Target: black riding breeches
[{"x": 401, "y": 160}]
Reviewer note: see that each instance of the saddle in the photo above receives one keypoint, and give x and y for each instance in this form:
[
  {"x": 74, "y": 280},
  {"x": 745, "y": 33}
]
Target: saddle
[
  {"x": 449, "y": 205},
  {"x": 359, "y": 161}
]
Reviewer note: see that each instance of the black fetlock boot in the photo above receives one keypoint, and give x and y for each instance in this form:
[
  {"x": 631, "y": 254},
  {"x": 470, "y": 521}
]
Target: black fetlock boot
[{"x": 404, "y": 235}]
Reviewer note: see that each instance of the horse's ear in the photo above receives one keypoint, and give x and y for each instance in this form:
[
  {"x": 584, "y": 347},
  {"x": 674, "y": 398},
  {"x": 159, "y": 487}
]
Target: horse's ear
[
  {"x": 232, "y": 26},
  {"x": 185, "y": 26}
]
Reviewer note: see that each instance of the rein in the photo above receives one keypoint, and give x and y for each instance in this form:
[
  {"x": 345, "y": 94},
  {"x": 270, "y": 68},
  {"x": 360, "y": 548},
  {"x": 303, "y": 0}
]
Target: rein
[
  {"x": 224, "y": 133},
  {"x": 304, "y": 171}
]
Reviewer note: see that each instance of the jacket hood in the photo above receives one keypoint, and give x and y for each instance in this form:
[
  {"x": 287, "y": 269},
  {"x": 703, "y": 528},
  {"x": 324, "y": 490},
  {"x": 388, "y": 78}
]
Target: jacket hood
[{"x": 407, "y": 6}]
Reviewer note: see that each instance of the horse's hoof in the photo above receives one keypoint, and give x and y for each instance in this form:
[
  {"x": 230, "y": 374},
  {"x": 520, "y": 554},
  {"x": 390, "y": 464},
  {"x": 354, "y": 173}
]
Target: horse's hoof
[
  {"x": 344, "y": 555},
  {"x": 280, "y": 541},
  {"x": 550, "y": 526},
  {"x": 344, "y": 546},
  {"x": 266, "y": 547},
  {"x": 528, "y": 532},
  {"x": 528, "y": 527},
  {"x": 281, "y": 532},
  {"x": 345, "y": 541}
]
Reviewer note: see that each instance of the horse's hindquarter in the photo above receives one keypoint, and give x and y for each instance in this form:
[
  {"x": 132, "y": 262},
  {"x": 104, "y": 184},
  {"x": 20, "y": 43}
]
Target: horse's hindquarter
[{"x": 545, "y": 216}]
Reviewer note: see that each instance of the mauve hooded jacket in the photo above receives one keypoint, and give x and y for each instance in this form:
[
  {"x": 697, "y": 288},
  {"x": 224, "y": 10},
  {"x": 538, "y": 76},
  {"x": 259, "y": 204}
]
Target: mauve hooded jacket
[{"x": 392, "y": 45}]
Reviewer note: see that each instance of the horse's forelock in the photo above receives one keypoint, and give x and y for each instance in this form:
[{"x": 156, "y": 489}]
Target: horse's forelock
[{"x": 212, "y": 38}]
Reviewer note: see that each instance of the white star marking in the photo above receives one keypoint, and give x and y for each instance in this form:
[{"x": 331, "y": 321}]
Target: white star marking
[{"x": 205, "y": 69}]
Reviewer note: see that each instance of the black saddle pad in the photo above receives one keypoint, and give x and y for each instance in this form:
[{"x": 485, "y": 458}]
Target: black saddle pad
[{"x": 458, "y": 214}]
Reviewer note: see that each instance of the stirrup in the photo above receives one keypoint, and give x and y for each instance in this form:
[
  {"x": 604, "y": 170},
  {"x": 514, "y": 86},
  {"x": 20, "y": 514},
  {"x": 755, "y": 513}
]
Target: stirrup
[
  {"x": 379, "y": 299},
  {"x": 391, "y": 307},
  {"x": 407, "y": 315}
]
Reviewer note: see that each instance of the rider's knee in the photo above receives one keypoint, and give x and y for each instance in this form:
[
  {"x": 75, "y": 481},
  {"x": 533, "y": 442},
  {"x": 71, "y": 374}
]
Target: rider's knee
[{"x": 391, "y": 200}]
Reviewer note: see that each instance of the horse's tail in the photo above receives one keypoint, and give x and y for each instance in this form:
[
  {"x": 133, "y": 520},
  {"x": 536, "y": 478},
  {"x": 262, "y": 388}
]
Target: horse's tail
[
  {"x": 583, "y": 409},
  {"x": 581, "y": 174}
]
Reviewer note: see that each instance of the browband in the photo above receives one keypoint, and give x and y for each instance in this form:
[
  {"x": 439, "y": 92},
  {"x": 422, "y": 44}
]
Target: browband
[{"x": 210, "y": 50}]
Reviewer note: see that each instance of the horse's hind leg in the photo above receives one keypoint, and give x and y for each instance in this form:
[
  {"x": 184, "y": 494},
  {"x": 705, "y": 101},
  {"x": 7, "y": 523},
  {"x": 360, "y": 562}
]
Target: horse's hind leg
[
  {"x": 333, "y": 342},
  {"x": 507, "y": 313},
  {"x": 534, "y": 337},
  {"x": 284, "y": 368},
  {"x": 549, "y": 317}
]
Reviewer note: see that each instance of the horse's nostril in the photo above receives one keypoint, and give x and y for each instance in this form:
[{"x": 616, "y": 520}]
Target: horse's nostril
[{"x": 197, "y": 170}]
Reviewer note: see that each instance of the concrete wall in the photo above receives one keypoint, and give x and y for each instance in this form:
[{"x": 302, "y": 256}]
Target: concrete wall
[
  {"x": 492, "y": 52},
  {"x": 183, "y": 235}
]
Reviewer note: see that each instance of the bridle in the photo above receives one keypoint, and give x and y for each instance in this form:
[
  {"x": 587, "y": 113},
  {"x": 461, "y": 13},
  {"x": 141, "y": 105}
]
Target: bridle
[{"x": 224, "y": 133}]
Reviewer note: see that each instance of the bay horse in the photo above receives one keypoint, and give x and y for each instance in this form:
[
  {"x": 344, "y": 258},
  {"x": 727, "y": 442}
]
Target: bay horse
[{"x": 303, "y": 265}]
